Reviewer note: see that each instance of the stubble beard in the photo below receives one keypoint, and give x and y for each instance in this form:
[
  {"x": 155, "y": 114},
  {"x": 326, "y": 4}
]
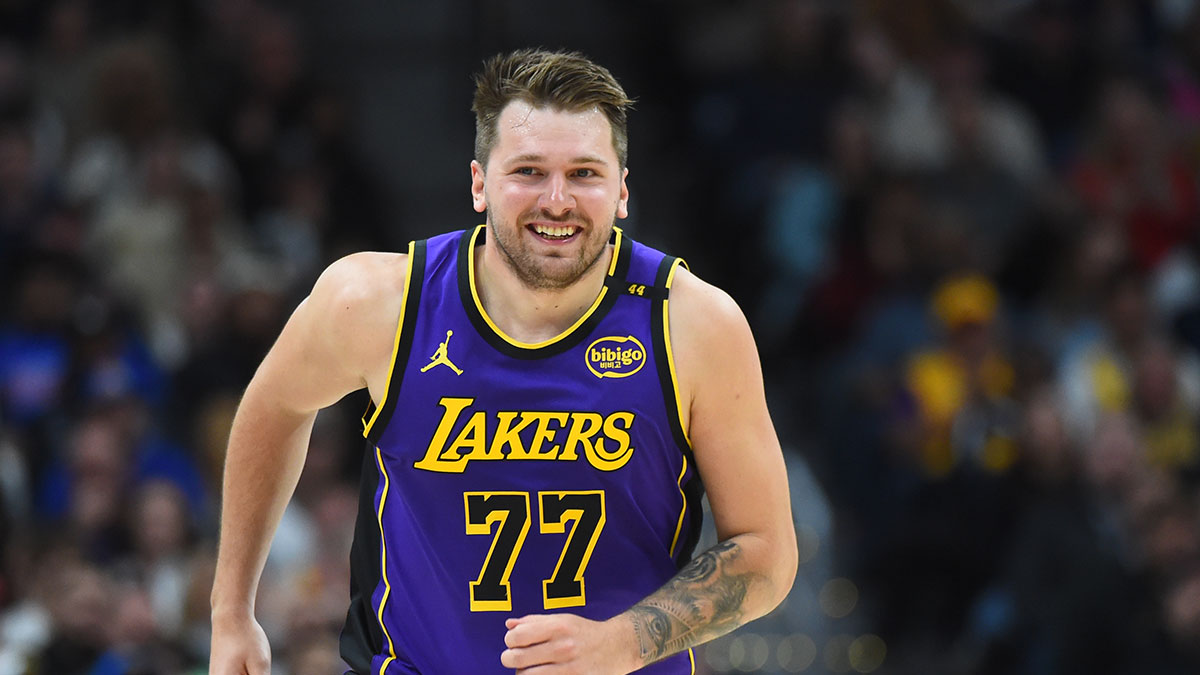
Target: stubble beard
[{"x": 539, "y": 272}]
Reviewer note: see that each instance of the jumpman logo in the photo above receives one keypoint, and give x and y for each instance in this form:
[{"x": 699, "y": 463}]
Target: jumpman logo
[{"x": 440, "y": 358}]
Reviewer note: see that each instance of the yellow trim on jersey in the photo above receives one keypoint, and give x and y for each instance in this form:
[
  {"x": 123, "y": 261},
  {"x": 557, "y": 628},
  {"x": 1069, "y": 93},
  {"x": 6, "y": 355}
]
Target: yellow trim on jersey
[
  {"x": 395, "y": 342},
  {"x": 670, "y": 357},
  {"x": 612, "y": 263},
  {"x": 612, "y": 266},
  {"x": 387, "y": 586},
  {"x": 692, "y": 658},
  {"x": 682, "y": 509}
]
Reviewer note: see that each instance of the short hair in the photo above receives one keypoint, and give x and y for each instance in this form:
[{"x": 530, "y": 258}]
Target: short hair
[{"x": 559, "y": 80}]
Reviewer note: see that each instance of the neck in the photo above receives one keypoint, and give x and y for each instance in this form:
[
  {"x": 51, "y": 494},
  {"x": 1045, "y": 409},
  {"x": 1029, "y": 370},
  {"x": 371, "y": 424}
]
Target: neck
[{"x": 533, "y": 314}]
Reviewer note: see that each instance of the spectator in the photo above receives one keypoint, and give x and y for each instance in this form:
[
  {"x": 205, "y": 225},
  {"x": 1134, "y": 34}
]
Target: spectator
[
  {"x": 962, "y": 390},
  {"x": 1133, "y": 174}
]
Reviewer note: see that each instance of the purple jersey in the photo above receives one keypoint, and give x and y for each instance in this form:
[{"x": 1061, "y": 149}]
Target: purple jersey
[{"x": 504, "y": 478}]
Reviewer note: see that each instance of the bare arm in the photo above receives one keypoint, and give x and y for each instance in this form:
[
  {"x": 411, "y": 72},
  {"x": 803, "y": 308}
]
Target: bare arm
[
  {"x": 337, "y": 341},
  {"x": 751, "y": 569}
]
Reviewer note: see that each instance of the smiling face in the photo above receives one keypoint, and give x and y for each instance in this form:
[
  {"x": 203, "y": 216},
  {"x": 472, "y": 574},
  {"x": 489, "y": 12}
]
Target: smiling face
[{"x": 552, "y": 189}]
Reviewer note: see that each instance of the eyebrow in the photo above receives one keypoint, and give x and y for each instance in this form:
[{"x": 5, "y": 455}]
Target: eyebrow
[{"x": 582, "y": 159}]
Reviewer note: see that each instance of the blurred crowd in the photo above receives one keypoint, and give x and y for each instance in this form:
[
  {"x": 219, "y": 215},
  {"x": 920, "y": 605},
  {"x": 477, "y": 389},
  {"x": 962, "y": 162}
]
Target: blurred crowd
[
  {"x": 974, "y": 270},
  {"x": 966, "y": 234},
  {"x": 170, "y": 173}
]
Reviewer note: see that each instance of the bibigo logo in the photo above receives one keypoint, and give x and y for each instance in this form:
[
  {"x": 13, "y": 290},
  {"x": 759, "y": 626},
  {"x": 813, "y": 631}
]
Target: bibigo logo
[{"x": 615, "y": 356}]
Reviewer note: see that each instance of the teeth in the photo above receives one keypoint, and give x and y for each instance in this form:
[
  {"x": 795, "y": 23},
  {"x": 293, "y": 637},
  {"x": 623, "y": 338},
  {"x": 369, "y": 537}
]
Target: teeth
[{"x": 554, "y": 231}]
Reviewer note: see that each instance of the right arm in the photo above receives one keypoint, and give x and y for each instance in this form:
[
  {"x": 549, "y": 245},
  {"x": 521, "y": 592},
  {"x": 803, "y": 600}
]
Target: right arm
[{"x": 337, "y": 341}]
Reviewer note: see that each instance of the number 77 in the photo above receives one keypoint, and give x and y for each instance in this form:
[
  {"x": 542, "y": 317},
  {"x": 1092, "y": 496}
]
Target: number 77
[{"x": 491, "y": 591}]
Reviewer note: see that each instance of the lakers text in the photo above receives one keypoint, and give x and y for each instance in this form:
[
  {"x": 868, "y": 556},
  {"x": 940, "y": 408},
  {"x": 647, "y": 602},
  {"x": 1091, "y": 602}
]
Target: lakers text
[{"x": 603, "y": 440}]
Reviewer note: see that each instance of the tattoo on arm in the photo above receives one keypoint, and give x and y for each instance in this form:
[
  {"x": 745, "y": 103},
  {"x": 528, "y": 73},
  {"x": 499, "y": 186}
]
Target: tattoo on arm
[{"x": 703, "y": 601}]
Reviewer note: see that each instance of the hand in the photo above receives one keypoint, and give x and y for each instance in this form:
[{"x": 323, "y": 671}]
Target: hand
[
  {"x": 239, "y": 647},
  {"x": 566, "y": 644}
]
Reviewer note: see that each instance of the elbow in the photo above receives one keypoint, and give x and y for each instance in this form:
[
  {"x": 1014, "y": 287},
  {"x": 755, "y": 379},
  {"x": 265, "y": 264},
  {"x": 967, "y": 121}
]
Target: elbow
[{"x": 785, "y": 566}]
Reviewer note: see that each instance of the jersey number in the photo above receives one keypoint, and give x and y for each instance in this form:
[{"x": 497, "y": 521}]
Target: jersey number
[{"x": 507, "y": 513}]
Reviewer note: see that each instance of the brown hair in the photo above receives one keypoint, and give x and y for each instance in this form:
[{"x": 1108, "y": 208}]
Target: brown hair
[{"x": 559, "y": 80}]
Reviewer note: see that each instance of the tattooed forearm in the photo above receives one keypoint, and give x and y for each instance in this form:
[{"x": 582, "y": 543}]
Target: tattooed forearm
[{"x": 704, "y": 600}]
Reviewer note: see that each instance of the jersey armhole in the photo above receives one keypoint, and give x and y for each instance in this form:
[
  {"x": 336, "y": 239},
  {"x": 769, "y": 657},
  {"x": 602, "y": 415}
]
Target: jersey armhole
[
  {"x": 375, "y": 419},
  {"x": 663, "y": 353},
  {"x": 691, "y": 490}
]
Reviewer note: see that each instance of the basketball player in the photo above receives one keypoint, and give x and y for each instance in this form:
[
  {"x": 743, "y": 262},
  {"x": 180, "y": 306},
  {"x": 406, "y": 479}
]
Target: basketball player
[{"x": 549, "y": 397}]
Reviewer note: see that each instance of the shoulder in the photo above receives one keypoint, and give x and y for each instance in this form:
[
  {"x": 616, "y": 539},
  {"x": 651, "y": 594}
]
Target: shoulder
[
  {"x": 357, "y": 298},
  {"x": 711, "y": 341},
  {"x": 702, "y": 313},
  {"x": 360, "y": 283},
  {"x": 339, "y": 338},
  {"x": 363, "y": 276}
]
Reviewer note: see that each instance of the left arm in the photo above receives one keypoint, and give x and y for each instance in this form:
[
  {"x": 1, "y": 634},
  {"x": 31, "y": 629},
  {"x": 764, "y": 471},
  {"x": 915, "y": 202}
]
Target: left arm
[{"x": 751, "y": 569}]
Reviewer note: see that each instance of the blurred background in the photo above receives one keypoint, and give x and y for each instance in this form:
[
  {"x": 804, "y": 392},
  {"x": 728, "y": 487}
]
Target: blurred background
[{"x": 965, "y": 232}]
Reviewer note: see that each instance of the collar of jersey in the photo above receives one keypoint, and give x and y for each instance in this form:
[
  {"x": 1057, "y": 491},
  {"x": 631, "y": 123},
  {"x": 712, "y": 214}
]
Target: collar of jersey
[{"x": 557, "y": 344}]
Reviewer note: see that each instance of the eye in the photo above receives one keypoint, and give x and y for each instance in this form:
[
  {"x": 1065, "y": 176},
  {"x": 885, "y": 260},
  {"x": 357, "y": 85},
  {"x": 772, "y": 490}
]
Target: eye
[
  {"x": 585, "y": 173},
  {"x": 526, "y": 171}
]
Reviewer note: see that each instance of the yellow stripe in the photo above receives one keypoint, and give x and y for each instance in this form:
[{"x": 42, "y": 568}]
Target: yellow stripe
[
  {"x": 396, "y": 341},
  {"x": 692, "y": 658},
  {"x": 612, "y": 266},
  {"x": 678, "y": 405},
  {"x": 682, "y": 509},
  {"x": 387, "y": 587},
  {"x": 670, "y": 357}
]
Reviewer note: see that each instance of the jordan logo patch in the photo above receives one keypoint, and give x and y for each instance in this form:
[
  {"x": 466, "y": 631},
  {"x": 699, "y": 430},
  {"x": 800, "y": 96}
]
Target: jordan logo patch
[{"x": 440, "y": 358}]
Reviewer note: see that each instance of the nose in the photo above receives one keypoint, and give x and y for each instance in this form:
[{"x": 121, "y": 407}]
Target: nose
[{"x": 557, "y": 198}]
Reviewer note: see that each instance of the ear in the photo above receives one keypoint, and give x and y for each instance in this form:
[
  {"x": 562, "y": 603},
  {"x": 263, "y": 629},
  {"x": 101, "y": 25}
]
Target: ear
[
  {"x": 623, "y": 200},
  {"x": 478, "y": 198}
]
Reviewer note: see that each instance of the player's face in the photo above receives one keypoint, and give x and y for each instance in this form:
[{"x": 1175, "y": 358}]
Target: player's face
[{"x": 552, "y": 190}]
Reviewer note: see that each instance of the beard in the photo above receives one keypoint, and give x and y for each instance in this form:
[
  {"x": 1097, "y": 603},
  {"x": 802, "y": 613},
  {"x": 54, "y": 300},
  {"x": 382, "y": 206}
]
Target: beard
[{"x": 549, "y": 272}]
